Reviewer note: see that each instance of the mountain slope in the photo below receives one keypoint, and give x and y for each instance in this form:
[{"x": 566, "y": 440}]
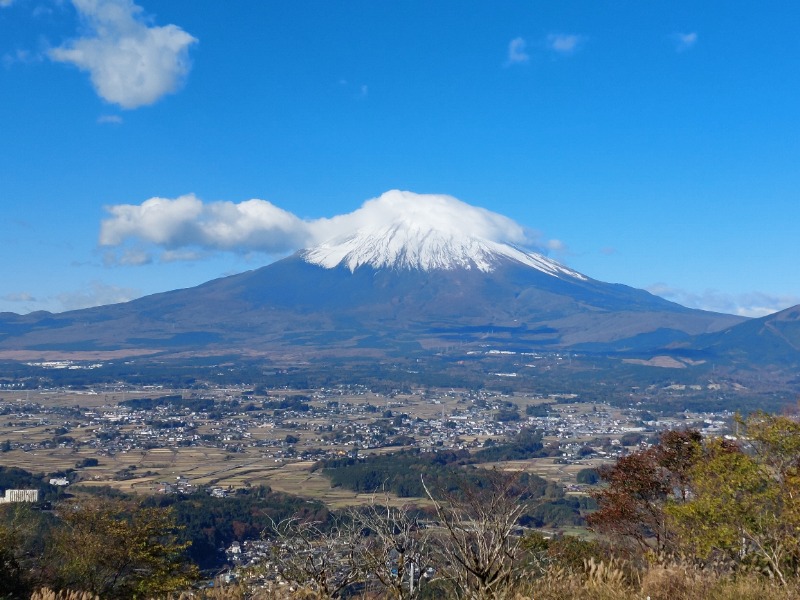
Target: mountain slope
[{"x": 295, "y": 304}]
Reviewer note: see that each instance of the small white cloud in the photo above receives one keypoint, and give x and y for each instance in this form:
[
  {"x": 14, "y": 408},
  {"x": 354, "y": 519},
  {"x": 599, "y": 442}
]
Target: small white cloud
[
  {"x": 18, "y": 297},
  {"x": 564, "y": 43},
  {"x": 684, "y": 41},
  {"x": 557, "y": 248},
  {"x": 517, "y": 52},
  {"x": 130, "y": 63},
  {"x": 109, "y": 119},
  {"x": 96, "y": 294},
  {"x": 751, "y": 304}
]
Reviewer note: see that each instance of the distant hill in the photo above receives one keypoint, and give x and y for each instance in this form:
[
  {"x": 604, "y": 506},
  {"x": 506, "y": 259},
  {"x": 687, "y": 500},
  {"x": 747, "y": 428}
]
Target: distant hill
[{"x": 771, "y": 341}]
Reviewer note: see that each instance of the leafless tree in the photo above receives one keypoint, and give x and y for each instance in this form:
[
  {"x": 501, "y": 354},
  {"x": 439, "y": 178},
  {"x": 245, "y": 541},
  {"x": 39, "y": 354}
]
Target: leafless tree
[
  {"x": 324, "y": 561},
  {"x": 479, "y": 549},
  {"x": 396, "y": 551}
]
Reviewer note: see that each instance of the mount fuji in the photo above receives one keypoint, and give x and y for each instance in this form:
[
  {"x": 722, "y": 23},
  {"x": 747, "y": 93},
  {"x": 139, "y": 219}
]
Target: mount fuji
[{"x": 404, "y": 274}]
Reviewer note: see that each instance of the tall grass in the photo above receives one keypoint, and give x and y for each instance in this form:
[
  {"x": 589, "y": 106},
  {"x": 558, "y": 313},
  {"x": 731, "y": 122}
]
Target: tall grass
[{"x": 597, "y": 580}]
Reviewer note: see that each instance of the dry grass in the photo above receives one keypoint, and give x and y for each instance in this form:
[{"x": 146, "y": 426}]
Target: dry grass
[
  {"x": 598, "y": 581},
  {"x": 613, "y": 581},
  {"x": 48, "y": 594}
]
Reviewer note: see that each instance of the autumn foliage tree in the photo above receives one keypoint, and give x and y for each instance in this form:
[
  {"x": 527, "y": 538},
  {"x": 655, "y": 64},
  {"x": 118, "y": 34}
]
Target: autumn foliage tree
[
  {"x": 639, "y": 486},
  {"x": 744, "y": 498},
  {"x": 118, "y": 550},
  {"x": 734, "y": 500}
]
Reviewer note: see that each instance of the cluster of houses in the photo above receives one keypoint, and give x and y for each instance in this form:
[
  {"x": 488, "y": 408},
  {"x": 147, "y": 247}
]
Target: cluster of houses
[{"x": 329, "y": 422}]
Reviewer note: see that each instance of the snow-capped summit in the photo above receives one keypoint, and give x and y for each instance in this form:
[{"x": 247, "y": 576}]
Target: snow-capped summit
[{"x": 406, "y": 231}]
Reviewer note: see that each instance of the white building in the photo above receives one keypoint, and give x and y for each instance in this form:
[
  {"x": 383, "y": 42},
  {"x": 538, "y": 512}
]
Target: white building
[{"x": 20, "y": 496}]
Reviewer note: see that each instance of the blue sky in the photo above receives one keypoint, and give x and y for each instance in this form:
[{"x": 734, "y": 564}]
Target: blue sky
[{"x": 651, "y": 143}]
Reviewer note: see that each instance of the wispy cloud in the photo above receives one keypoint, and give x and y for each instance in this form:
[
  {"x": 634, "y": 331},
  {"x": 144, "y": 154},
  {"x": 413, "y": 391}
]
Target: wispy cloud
[
  {"x": 18, "y": 297},
  {"x": 6, "y": 3},
  {"x": 181, "y": 256},
  {"x": 95, "y": 293},
  {"x": 517, "y": 52},
  {"x": 186, "y": 228},
  {"x": 109, "y": 119},
  {"x": 130, "y": 63},
  {"x": 564, "y": 43},
  {"x": 134, "y": 257},
  {"x": 751, "y": 304},
  {"x": 684, "y": 41},
  {"x": 359, "y": 92},
  {"x": 556, "y": 248},
  {"x": 21, "y": 57}
]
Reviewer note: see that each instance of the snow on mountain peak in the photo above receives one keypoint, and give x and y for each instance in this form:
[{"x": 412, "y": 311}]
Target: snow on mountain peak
[{"x": 404, "y": 230}]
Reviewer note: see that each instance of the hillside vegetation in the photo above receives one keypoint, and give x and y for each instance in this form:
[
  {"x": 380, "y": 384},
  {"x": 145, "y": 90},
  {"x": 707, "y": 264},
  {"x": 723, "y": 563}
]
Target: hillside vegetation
[{"x": 689, "y": 517}]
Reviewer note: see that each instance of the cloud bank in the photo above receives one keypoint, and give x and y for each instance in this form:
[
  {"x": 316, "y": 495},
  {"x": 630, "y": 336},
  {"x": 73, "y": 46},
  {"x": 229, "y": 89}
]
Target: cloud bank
[
  {"x": 751, "y": 304},
  {"x": 130, "y": 63},
  {"x": 186, "y": 228}
]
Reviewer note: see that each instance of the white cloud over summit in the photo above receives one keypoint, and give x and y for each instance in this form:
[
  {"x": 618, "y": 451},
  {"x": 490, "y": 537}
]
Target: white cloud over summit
[
  {"x": 130, "y": 63},
  {"x": 187, "y": 224}
]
